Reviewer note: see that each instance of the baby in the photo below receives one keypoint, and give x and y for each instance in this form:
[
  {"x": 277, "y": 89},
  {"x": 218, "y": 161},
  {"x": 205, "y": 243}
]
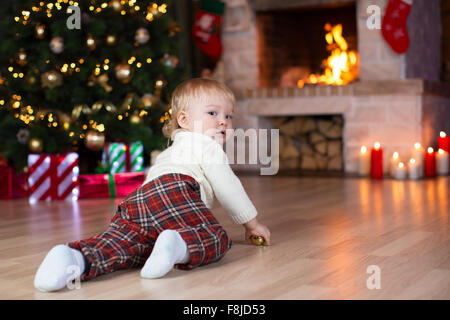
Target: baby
[{"x": 167, "y": 222}]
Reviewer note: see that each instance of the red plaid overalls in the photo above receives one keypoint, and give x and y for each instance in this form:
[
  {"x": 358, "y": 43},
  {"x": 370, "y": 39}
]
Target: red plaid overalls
[{"x": 171, "y": 201}]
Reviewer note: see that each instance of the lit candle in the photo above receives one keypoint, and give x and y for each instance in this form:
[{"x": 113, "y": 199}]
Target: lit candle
[
  {"x": 400, "y": 171},
  {"x": 444, "y": 141},
  {"x": 394, "y": 162},
  {"x": 364, "y": 162},
  {"x": 413, "y": 169},
  {"x": 419, "y": 155},
  {"x": 430, "y": 163},
  {"x": 442, "y": 162},
  {"x": 376, "y": 161}
]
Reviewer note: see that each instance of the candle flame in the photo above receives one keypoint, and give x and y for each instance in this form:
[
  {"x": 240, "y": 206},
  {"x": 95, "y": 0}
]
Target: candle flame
[
  {"x": 377, "y": 145},
  {"x": 417, "y": 145},
  {"x": 401, "y": 165},
  {"x": 441, "y": 151},
  {"x": 363, "y": 149},
  {"x": 430, "y": 150},
  {"x": 442, "y": 134},
  {"x": 412, "y": 160},
  {"x": 395, "y": 155}
]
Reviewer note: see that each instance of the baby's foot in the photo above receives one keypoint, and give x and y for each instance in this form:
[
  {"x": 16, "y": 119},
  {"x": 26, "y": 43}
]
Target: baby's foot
[
  {"x": 169, "y": 249},
  {"x": 54, "y": 271}
]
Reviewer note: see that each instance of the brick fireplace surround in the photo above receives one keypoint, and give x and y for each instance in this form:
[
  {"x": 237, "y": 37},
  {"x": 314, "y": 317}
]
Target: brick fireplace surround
[{"x": 398, "y": 99}]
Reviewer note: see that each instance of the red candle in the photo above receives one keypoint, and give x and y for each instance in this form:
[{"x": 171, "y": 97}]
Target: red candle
[
  {"x": 444, "y": 141},
  {"x": 430, "y": 163},
  {"x": 376, "y": 162}
]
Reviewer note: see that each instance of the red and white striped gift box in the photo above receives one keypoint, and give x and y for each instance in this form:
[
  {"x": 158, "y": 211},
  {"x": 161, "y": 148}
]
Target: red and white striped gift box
[{"x": 53, "y": 177}]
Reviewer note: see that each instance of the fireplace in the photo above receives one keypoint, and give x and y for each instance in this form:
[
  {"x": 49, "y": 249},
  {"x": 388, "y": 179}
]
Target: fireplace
[
  {"x": 396, "y": 99},
  {"x": 295, "y": 44}
]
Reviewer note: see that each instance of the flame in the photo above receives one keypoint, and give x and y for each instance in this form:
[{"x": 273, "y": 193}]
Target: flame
[{"x": 341, "y": 67}]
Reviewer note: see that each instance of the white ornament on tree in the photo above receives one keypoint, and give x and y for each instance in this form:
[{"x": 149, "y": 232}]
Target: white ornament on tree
[
  {"x": 142, "y": 36},
  {"x": 57, "y": 45}
]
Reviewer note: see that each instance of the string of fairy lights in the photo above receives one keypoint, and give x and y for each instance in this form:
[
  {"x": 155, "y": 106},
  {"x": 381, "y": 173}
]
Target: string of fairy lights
[{"x": 26, "y": 112}]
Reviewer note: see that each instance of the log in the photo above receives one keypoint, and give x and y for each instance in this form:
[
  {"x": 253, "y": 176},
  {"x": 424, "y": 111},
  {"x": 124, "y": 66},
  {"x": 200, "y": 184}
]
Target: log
[{"x": 334, "y": 148}]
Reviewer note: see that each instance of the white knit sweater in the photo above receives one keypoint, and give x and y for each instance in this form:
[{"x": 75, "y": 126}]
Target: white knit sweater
[{"x": 201, "y": 157}]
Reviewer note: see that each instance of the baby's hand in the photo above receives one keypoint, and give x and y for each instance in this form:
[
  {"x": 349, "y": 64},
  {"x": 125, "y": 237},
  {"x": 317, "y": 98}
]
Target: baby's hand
[{"x": 254, "y": 228}]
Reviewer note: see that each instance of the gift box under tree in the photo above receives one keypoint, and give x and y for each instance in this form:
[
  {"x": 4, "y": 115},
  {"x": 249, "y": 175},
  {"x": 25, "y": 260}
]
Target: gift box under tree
[
  {"x": 53, "y": 177},
  {"x": 120, "y": 157},
  {"x": 12, "y": 184}
]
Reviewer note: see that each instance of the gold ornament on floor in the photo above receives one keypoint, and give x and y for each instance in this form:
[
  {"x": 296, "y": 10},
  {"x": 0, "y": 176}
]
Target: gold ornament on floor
[
  {"x": 51, "y": 79},
  {"x": 124, "y": 72},
  {"x": 40, "y": 30},
  {"x": 102, "y": 80},
  {"x": 91, "y": 42},
  {"x": 111, "y": 39},
  {"x": 35, "y": 145},
  {"x": 21, "y": 58},
  {"x": 94, "y": 140},
  {"x": 258, "y": 241}
]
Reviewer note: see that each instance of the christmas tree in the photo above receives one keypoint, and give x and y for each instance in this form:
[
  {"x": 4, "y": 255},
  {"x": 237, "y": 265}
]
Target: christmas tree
[{"x": 74, "y": 74}]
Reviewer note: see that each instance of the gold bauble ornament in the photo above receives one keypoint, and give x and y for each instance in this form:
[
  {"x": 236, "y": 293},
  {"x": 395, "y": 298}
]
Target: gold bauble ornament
[
  {"x": 148, "y": 100},
  {"x": 94, "y": 140},
  {"x": 135, "y": 119},
  {"x": 142, "y": 36},
  {"x": 40, "y": 31},
  {"x": 103, "y": 106},
  {"x": 115, "y": 4},
  {"x": 91, "y": 42},
  {"x": 51, "y": 79},
  {"x": 80, "y": 109},
  {"x": 124, "y": 72},
  {"x": 21, "y": 58},
  {"x": 35, "y": 145},
  {"x": 258, "y": 241},
  {"x": 160, "y": 83},
  {"x": 111, "y": 39}
]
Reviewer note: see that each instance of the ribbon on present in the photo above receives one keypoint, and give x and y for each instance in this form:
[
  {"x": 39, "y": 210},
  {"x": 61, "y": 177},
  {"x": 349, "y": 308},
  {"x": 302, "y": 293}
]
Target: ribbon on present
[
  {"x": 109, "y": 185},
  {"x": 53, "y": 177},
  {"x": 121, "y": 158}
]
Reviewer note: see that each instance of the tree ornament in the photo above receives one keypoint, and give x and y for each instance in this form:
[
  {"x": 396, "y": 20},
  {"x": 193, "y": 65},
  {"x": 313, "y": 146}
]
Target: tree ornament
[
  {"x": 173, "y": 29},
  {"x": 36, "y": 145},
  {"x": 169, "y": 61},
  {"x": 102, "y": 80},
  {"x": 160, "y": 83},
  {"x": 111, "y": 39},
  {"x": 135, "y": 119},
  {"x": 91, "y": 42},
  {"x": 21, "y": 58},
  {"x": 57, "y": 45},
  {"x": 142, "y": 36},
  {"x": 40, "y": 30},
  {"x": 94, "y": 140},
  {"x": 104, "y": 106},
  {"x": 124, "y": 72},
  {"x": 51, "y": 79},
  {"x": 80, "y": 109},
  {"x": 148, "y": 100},
  {"x": 115, "y": 4},
  {"x": 23, "y": 135},
  {"x": 30, "y": 78}
]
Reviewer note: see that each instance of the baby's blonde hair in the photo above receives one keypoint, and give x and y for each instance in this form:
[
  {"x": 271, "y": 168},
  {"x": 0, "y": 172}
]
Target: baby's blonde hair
[{"x": 190, "y": 92}]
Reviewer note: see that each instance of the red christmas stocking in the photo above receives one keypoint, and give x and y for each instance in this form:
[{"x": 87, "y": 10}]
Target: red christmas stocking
[
  {"x": 393, "y": 27},
  {"x": 206, "y": 30}
]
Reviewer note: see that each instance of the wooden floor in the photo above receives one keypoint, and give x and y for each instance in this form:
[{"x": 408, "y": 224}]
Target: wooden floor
[{"x": 326, "y": 232}]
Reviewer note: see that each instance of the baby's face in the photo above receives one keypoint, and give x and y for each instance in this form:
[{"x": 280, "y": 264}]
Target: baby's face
[{"x": 211, "y": 117}]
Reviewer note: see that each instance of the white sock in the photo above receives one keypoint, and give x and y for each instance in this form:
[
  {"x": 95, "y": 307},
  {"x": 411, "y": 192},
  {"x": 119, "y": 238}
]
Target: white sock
[
  {"x": 169, "y": 249},
  {"x": 54, "y": 271}
]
